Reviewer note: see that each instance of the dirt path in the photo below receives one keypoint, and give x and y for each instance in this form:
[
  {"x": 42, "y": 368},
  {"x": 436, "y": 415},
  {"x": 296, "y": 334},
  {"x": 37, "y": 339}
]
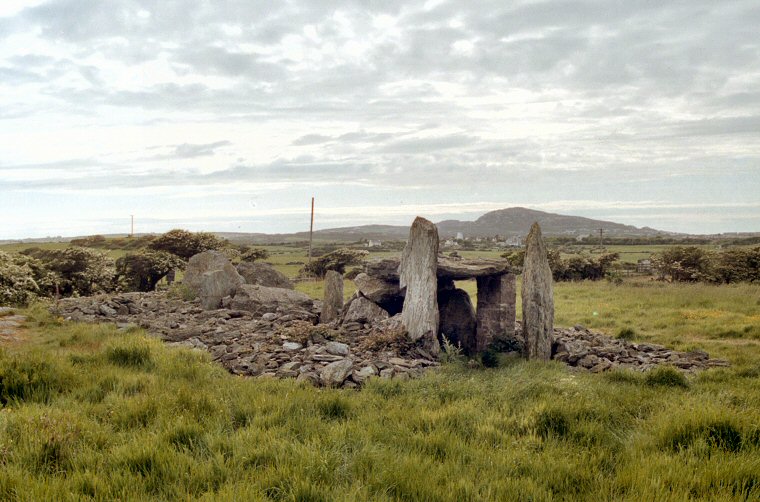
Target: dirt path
[{"x": 11, "y": 332}]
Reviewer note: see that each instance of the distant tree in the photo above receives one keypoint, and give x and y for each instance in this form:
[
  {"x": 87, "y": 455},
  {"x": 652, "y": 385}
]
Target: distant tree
[
  {"x": 683, "y": 264},
  {"x": 338, "y": 260},
  {"x": 185, "y": 244},
  {"x": 737, "y": 265},
  {"x": 142, "y": 270}
]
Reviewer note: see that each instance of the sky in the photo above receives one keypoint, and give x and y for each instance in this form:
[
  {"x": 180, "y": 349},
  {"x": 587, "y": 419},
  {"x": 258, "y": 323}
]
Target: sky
[{"x": 230, "y": 115}]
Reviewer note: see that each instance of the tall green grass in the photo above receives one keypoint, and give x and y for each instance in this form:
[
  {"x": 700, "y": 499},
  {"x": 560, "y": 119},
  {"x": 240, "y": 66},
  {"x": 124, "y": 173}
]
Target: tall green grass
[{"x": 106, "y": 415}]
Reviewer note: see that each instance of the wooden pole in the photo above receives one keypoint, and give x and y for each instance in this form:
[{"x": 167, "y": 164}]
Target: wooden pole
[
  {"x": 132, "y": 227},
  {"x": 311, "y": 227}
]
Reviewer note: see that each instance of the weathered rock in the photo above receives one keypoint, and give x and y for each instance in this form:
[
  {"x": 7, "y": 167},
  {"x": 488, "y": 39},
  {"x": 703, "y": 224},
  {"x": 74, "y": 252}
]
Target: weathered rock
[
  {"x": 106, "y": 310},
  {"x": 291, "y": 346},
  {"x": 332, "y": 304},
  {"x": 537, "y": 298},
  {"x": 417, "y": 276},
  {"x": 457, "y": 317},
  {"x": 259, "y": 300},
  {"x": 335, "y": 373},
  {"x": 496, "y": 312},
  {"x": 447, "y": 268},
  {"x": 360, "y": 375},
  {"x": 461, "y": 268},
  {"x": 387, "y": 294},
  {"x": 263, "y": 274},
  {"x": 204, "y": 262},
  {"x": 336, "y": 348},
  {"x": 216, "y": 284},
  {"x": 362, "y": 310}
]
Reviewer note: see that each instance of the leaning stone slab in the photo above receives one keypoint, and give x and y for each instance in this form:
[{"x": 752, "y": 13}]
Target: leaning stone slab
[
  {"x": 332, "y": 304},
  {"x": 537, "y": 298},
  {"x": 417, "y": 275},
  {"x": 204, "y": 262},
  {"x": 259, "y": 300},
  {"x": 216, "y": 284},
  {"x": 361, "y": 310},
  {"x": 263, "y": 274}
]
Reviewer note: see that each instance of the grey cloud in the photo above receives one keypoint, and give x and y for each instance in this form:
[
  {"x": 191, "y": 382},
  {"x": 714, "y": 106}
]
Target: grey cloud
[
  {"x": 312, "y": 139},
  {"x": 188, "y": 151},
  {"x": 429, "y": 145}
]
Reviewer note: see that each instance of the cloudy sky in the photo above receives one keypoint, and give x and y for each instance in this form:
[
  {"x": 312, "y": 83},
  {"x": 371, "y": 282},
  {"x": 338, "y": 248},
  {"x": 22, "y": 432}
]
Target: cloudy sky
[{"x": 230, "y": 115}]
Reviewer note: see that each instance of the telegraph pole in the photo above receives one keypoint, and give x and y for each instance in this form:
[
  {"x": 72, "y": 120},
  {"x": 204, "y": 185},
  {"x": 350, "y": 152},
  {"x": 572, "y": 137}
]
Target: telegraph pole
[
  {"x": 601, "y": 237},
  {"x": 132, "y": 228},
  {"x": 311, "y": 227}
]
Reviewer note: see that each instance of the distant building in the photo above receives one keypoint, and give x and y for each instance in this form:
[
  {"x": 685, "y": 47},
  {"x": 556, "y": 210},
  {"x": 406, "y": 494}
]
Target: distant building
[
  {"x": 460, "y": 236},
  {"x": 644, "y": 266},
  {"x": 449, "y": 243},
  {"x": 373, "y": 244},
  {"x": 515, "y": 241}
]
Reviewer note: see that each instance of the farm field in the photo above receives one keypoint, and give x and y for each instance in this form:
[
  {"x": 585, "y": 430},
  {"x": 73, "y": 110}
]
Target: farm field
[{"x": 91, "y": 412}]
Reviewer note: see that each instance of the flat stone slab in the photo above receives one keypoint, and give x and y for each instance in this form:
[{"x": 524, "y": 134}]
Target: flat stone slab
[{"x": 448, "y": 268}]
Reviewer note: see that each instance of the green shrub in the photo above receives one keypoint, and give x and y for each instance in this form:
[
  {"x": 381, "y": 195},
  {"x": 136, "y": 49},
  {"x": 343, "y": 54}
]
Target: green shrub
[
  {"x": 77, "y": 270},
  {"x": 179, "y": 291},
  {"x": 17, "y": 280},
  {"x": 337, "y": 260},
  {"x": 666, "y": 376},
  {"x": 185, "y": 244},
  {"x": 626, "y": 334},
  {"x": 490, "y": 359},
  {"x": 142, "y": 270}
]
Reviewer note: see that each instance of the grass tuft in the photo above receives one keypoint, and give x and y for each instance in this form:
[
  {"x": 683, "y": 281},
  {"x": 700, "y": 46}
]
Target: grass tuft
[
  {"x": 134, "y": 353},
  {"x": 666, "y": 376}
]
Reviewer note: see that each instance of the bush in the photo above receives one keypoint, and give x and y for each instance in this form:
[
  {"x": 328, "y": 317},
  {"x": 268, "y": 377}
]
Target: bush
[
  {"x": 185, "y": 244},
  {"x": 141, "y": 271},
  {"x": 77, "y": 270},
  {"x": 17, "y": 284},
  {"x": 626, "y": 334},
  {"x": 338, "y": 260},
  {"x": 490, "y": 359},
  {"x": 683, "y": 264},
  {"x": 253, "y": 254}
]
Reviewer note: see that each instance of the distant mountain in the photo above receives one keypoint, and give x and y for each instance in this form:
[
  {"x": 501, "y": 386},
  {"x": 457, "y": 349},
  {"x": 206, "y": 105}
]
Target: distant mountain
[
  {"x": 517, "y": 221},
  {"x": 505, "y": 222}
]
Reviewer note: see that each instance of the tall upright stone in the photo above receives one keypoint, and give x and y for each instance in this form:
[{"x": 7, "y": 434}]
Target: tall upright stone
[
  {"x": 417, "y": 275},
  {"x": 332, "y": 303},
  {"x": 496, "y": 311},
  {"x": 537, "y": 298}
]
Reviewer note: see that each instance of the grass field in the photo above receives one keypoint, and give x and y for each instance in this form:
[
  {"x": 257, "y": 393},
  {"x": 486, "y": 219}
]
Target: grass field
[{"x": 92, "y": 413}]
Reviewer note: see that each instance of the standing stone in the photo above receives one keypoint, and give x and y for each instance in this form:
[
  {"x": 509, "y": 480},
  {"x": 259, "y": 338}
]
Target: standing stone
[
  {"x": 537, "y": 298},
  {"x": 332, "y": 304},
  {"x": 417, "y": 274},
  {"x": 457, "y": 317},
  {"x": 496, "y": 312}
]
